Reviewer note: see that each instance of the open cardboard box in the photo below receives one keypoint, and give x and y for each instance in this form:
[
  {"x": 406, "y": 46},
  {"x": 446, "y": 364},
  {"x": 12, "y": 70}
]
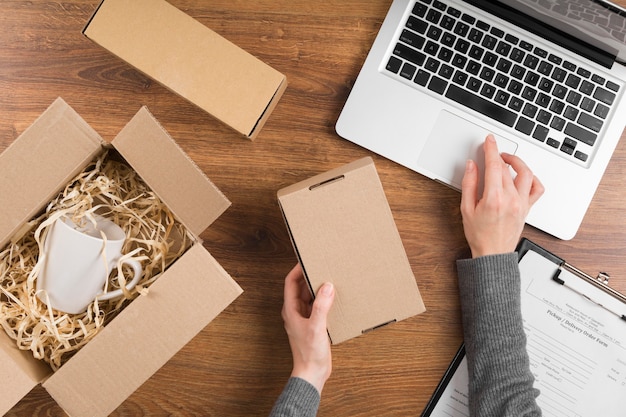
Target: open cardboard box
[
  {"x": 148, "y": 332},
  {"x": 343, "y": 231},
  {"x": 190, "y": 59}
]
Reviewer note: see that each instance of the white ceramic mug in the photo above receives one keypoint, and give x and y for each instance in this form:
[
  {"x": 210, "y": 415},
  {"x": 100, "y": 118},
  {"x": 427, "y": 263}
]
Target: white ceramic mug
[{"x": 78, "y": 262}]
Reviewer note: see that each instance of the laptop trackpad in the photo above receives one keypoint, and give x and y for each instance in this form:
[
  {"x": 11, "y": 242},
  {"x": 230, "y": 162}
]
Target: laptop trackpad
[{"x": 451, "y": 143}]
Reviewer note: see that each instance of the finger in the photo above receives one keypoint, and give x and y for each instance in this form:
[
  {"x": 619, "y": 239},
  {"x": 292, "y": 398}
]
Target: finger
[
  {"x": 322, "y": 304},
  {"x": 292, "y": 289},
  {"x": 469, "y": 187},
  {"x": 493, "y": 164},
  {"x": 536, "y": 191},
  {"x": 524, "y": 178}
]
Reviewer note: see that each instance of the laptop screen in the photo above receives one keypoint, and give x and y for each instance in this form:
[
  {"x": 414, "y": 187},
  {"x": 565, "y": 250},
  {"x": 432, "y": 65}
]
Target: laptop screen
[{"x": 599, "y": 23}]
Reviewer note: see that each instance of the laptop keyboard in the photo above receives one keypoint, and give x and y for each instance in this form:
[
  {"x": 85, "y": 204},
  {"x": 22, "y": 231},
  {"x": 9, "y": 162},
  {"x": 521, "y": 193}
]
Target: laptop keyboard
[{"x": 550, "y": 100}]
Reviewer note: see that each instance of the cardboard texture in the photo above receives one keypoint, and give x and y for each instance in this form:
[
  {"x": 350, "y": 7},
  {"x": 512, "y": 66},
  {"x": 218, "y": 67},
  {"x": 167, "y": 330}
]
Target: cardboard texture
[
  {"x": 148, "y": 332},
  {"x": 190, "y": 59},
  {"x": 343, "y": 231}
]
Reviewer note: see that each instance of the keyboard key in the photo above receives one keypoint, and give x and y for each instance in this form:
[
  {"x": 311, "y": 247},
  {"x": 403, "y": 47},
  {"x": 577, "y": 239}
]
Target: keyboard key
[
  {"x": 559, "y": 74},
  {"x": 409, "y": 54},
  {"x": 481, "y": 105},
  {"x": 468, "y": 19},
  {"x": 529, "y": 93},
  {"x": 432, "y": 64},
  {"x": 525, "y": 126},
  {"x": 515, "y": 87},
  {"x": 454, "y": 12},
  {"x": 501, "y": 80},
  {"x": 475, "y": 35},
  {"x": 557, "y": 106},
  {"x": 459, "y": 60},
  {"x": 511, "y": 39},
  {"x": 417, "y": 25},
  {"x": 394, "y": 64},
  {"x": 559, "y": 91},
  {"x": 461, "y": 29},
  {"x": 460, "y": 77},
  {"x": 544, "y": 117},
  {"x": 586, "y": 87},
  {"x": 532, "y": 78},
  {"x": 543, "y": 100},
  {"x": 557, "y": 123},
  {"x": 541, "y": 133},
  {"x": 601, "y": 111},
  {"x": 527, "y": 46},
  {"x": 553, "y": 142},
  {"x": 516, "y": 104},
  {"x": 570, "y": 113},
  {"x": 473, "y": 67},
  {"x": 540, "y": 52},
  {"x": 555, "y": 59},
  {"x": 434, "y": 33},
  {"x": 503, "y": 48},
  {"x": 445, "y": 54},
  {"x": 482, "y": 25},
  {"x": 517, "y": 55},
  {"x": 572, "y": 81},
  {"x": 448, "y": 39},
  {"x": 476, "y": 52},
  {"x": 583, "y": 72},
  {"x": 502, "y": 97},
  {"x": 504, "y": 65},
  {"x": 498, "y": 33},
  {"x": 412, "y": 39},
  {"x": 489, "y": 42},
  {"x": 546, "y": 85},
  {"x": 531, "y": 61},
  {"x": 518, "y": 72},
  {"x": 604, "y": 96},
  {"x": 433, "y": 16},
  {"x": 487, "y": 74},
  {"x": 431, "y": 48},
  {"x": 408, "y": 71},
  {"x": 446, "y": 71},
  {"x": 488, "y": 90},
  {"x": 597, "y": 79},
  {"x": 419, "y": 9},
  {"x": 474, "y": 84},
  {"x": 462, "y": 46},
  {"x": 581, "y": 134},
  {"x": 490, "y": 59},
  {"x": 422, "y": 77},
  {"x": 612, "y": 86},
  {"x": 590, "y": 122},
  {"x": 530, "y": 110},
  {"x": 437, "y": 85},
  {"x": 545, "y": 68},
  {"x": 580, "y": 155},
  {"x": 569, "y": 66},
  {"x": 573, "y": 98},
  {"x": 587, "y": 104}
]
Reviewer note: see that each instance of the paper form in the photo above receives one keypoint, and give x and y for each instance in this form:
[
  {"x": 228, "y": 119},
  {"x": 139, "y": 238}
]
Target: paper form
[{"x": 577, "y": 349}]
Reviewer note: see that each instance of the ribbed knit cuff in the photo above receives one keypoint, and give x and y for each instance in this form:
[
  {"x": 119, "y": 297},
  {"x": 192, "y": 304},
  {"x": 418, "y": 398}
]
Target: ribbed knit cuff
[{"x": 299, "y": 398}]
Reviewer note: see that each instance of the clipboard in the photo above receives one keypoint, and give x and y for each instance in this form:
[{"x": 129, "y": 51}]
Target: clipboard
[{"x": 601, "y": 282}]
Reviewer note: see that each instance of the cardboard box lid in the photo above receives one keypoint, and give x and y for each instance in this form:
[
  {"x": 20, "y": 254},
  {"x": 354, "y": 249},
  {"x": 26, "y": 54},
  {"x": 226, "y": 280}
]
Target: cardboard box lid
[
  {"x": 190, "y": 294},
  {"x": 343, "y": 231},
  {"x": 189, "y": 59},
  {"x": 169, "y": 172},
  {"x": 40, "y": 161}
]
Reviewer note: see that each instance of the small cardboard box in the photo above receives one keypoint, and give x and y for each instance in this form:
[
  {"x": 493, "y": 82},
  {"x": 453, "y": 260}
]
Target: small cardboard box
[
  {"x": 190, "y": 59},
  {"x": 343, "y": 231},
  {"x": 148, "y": 332}
]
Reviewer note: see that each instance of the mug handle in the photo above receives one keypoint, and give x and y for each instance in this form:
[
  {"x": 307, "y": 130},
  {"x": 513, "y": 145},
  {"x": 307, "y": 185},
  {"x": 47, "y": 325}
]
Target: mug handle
[{"x": 117, "y": 293}]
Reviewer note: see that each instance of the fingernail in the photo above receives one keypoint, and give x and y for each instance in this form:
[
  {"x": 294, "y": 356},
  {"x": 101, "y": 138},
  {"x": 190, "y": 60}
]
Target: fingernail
[
  {"x": 469, "y": 165},
  {"x": 327, "y": 289},
  {"x": 491, "y": 138}
]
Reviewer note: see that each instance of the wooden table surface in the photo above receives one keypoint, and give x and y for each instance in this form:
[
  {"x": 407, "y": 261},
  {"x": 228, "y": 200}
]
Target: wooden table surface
[{"x": 238, "y": 364}]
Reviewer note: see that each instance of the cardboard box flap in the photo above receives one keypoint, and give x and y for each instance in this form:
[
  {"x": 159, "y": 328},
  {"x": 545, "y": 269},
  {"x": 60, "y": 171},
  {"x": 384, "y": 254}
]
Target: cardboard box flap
[
  {"x": 19, "y": 371},
  {"x": 42, "y": 160},
  {"x": 188, "y": 58},
  {"x": 190, "y": 294},
  {"x": 169, "y": 172},
  {"x": 343, "y": 231}
]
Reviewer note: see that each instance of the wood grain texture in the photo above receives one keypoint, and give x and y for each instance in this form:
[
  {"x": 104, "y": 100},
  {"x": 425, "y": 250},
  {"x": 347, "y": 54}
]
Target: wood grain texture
[{"x": 237, "y": 365}]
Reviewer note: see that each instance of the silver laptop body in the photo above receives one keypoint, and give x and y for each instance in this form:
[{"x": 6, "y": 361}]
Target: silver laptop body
[{"x": 436, "y": 81}]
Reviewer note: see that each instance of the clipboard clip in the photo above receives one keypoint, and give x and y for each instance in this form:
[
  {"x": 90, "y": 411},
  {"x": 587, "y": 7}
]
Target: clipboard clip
[{"x": 601, "y": 281}]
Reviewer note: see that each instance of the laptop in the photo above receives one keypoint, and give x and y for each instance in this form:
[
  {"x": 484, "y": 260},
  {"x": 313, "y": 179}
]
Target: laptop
[{"x": 546, "y": 77}]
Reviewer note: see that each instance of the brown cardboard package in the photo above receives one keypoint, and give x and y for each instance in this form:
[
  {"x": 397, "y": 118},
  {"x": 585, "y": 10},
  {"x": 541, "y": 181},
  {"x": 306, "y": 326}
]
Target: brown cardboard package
[
  {"x": 343, "y": 231},
  {"x": 147, "y": 333},
  {"x": 190, "y": 59}
]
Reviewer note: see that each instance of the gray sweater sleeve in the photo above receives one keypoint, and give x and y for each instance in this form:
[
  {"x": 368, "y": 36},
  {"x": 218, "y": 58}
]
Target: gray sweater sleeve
[
  {"x": 501, "y": 383},
  {"x": 298, "y": 399}
]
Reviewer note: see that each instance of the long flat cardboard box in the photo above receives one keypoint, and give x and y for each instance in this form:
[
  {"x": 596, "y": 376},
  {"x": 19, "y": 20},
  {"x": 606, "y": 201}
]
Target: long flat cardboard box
[
  {"x": 147, "y": 333},
  {"x": 343, "y": 231},
  {"x": 190, "y": 59}
]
